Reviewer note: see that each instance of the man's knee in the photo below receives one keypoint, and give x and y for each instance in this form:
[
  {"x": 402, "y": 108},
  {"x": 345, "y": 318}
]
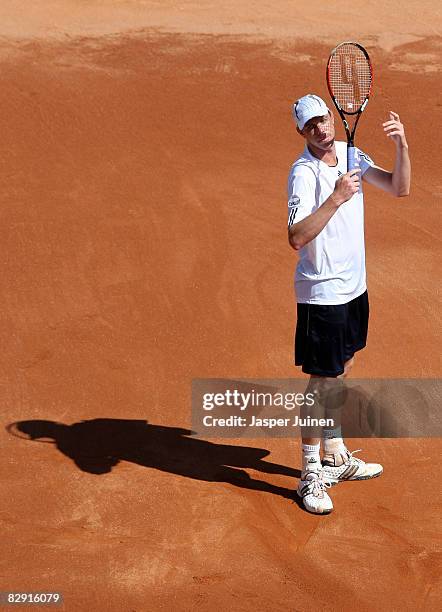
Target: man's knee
[{"x": 348, "y": 365}]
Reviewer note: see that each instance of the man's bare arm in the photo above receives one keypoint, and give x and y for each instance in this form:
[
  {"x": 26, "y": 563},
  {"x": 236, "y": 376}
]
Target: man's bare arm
[
  {"x": 306, "y": 230},
  {"x": 397, "y": 182}
]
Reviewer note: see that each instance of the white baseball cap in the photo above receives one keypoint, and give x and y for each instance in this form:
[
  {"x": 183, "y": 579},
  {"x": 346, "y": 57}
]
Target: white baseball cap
[{"x": 307, "y": 107}]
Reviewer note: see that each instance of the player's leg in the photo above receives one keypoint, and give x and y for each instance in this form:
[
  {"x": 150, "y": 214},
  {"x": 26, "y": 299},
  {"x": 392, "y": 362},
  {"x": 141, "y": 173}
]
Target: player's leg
[
  {"x": 338, "y": 462},
  {"x": 334, "y": 405},
  {"x": 312, "y": 486},
  {"x": 319, "y": 348},
  {"x": 356, "y": 314}
]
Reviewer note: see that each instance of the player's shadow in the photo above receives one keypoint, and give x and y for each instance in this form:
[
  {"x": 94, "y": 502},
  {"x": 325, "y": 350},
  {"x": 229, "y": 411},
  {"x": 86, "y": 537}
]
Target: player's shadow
[{"x": 98, "y": 445}]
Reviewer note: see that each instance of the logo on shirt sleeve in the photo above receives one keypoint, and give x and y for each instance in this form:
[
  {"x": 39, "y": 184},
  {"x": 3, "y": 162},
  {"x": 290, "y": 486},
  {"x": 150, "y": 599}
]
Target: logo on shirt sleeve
[{"x": 294, "y": 203}]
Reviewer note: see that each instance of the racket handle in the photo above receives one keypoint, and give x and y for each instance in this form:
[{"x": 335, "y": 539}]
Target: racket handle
[{"x": 352, "y": 161}]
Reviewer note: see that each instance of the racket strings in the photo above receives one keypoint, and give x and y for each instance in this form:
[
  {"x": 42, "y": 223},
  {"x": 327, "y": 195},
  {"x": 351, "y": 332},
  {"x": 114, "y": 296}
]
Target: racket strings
[{"x": 350, "y": 77}]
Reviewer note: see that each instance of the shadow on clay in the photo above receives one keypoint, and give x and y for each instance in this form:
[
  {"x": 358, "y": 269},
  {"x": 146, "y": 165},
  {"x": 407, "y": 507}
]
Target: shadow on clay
[{"x": 98, "y": 445}]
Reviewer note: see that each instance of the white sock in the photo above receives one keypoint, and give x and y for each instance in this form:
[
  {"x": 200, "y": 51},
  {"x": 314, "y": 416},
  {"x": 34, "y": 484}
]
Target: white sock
[
  {"x": 311, "y": 461},
  {"x": 333, "y": 442}
]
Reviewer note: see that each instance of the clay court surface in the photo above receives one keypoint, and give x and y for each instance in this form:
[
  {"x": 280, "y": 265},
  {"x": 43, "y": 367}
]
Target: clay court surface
[{"x": 145, "y": 148}]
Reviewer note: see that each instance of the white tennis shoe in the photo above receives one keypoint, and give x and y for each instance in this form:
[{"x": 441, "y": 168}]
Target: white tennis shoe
[
  {"x": 312, "y": 489},
  {"x": 339, "y": 467}
]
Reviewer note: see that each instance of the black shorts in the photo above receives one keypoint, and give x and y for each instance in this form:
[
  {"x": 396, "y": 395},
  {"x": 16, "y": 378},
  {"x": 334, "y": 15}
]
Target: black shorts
[{"x": 328, "y": 336}]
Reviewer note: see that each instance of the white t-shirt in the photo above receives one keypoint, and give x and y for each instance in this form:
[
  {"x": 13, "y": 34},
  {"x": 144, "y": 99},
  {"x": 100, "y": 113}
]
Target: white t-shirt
[{"x": 331, "y": 268}]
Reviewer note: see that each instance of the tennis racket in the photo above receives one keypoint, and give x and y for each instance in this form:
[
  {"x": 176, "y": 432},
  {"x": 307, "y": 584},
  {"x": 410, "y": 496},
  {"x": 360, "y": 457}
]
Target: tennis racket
[{"x": 349, "y": 81}]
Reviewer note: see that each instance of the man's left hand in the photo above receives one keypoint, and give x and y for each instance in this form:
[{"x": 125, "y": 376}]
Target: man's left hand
[{"x": 395, "y": 130}]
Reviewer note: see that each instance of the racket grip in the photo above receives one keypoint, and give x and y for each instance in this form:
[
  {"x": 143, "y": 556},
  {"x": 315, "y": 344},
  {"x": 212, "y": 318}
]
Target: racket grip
[{"x": 352, "y": 161}]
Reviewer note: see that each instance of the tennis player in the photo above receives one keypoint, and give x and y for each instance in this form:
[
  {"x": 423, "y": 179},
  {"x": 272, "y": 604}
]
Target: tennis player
[{"x": 326, "y": 228}]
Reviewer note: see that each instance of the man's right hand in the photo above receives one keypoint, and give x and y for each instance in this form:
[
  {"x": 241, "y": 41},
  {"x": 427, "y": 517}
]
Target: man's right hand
[{"x": 346, "y": 186}]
